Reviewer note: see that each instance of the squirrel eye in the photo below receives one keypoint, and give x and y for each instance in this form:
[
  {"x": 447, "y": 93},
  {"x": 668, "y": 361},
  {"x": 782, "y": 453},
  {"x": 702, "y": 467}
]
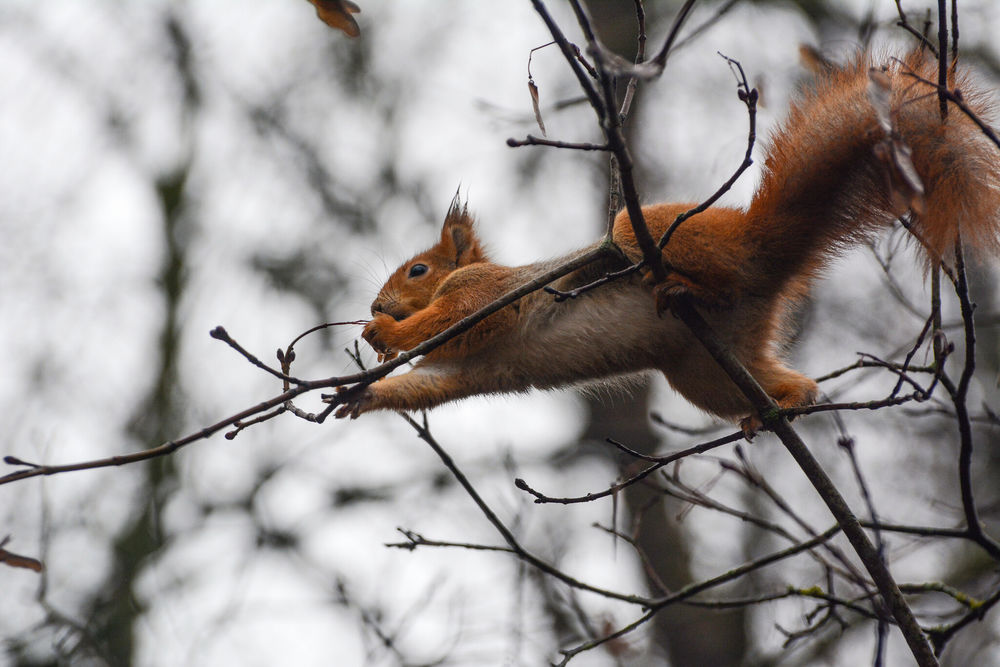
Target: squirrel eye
[{"x": 418, "y": 270}]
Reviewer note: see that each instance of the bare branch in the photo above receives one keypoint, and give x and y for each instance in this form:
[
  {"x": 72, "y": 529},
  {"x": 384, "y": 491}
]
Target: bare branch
[
  {"x": 535, "y": 141},
  {"x": 693, "y": 589},
  {"x": 766, "y": 408},
  {"x": 660, "y": 462},
  {"x": 749, "y": 97},
  {"x": 424, "y": 434}
]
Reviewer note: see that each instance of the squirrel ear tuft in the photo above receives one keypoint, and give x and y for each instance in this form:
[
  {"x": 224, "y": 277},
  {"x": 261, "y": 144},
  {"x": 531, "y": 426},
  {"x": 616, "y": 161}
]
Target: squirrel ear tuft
[{"x": 458, "y": 235}]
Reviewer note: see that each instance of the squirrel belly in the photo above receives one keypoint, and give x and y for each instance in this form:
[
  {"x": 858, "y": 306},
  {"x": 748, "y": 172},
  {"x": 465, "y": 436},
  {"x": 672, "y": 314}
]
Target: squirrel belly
[{"x": 859, "y": 150}]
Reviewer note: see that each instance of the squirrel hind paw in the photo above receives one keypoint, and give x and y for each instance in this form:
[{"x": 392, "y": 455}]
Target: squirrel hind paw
[
  {"x": 668, "y": 294},
  {"x": 750, "y": 426},
  {"x": 794, "y": 392},
  {"x": 676, "y": 287}
]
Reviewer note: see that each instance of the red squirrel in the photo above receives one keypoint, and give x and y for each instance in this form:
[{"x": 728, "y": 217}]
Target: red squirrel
[{"x": 834, "y": 173}]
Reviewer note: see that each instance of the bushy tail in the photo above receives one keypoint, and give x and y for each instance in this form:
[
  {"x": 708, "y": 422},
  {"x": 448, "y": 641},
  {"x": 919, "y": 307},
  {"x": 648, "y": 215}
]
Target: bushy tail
[{"x": 865, "y": 146}]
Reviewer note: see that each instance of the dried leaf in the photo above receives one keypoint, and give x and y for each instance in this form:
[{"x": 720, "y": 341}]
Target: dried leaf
[
  {"x": 337, "y": 14},
  {"x": 15, "y": 560},
  {"x": 533, "y": 89},
  {"x": 879, "y": 94},
  {"x": 905, "y": 186}
]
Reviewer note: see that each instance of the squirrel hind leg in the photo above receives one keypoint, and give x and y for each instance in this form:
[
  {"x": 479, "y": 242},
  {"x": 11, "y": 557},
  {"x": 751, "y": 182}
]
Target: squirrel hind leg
[{"x": 788, "y": 388}]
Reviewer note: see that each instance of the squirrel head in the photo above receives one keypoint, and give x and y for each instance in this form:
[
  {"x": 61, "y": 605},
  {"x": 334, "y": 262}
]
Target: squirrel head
[{"x": 413, "y": 285}]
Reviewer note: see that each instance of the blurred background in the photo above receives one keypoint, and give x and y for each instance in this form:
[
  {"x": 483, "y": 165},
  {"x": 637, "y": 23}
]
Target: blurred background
[{"x": 173, "y": 166}]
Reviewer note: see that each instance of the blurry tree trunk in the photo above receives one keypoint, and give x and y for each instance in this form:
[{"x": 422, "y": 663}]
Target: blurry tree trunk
[
  {"x": 114, "y": 610},
  {"x": 688, "y": 635}
]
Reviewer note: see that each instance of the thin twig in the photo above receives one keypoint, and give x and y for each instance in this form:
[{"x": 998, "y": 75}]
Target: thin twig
[
  {"x": 530, "y": 140},
  {"x": 693, "y": 589},
  {"x": 955, "y": 97},
  {"x": 169, "y": 447},
  {"x": 959, "y": 395},
  {"x": 660, "y": 59},
  {"x": 943, "y": 58},
  {"x": 423, "y": 432},
  {"x": 905, "y": 25},
  {"x": 646, "y": 472},
  {"x": 766, "y": 408},
  {"x": 749, "y": 97}
]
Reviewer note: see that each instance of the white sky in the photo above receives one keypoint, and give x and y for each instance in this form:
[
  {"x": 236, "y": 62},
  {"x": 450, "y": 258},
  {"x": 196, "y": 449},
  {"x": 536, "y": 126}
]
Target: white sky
[{"x": 80, "y": 309}]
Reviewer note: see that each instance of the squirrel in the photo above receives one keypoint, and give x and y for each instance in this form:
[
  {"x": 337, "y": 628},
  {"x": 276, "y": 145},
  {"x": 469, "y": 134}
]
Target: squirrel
[{"x": 861, "y": 148}]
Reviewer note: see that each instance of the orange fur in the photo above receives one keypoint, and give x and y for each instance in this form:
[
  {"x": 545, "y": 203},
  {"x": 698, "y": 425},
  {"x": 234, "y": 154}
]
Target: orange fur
[{"x": 832, "y": 176}]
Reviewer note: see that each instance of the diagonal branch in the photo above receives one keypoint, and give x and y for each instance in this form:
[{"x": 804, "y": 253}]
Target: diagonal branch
[
  {"x": 762, "y": 404},
  {"x": 768, "y": 410}
]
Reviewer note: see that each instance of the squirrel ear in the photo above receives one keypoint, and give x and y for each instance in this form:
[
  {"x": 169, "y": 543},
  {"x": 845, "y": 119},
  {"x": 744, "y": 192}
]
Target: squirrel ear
[{"x": 458, "y": 235}]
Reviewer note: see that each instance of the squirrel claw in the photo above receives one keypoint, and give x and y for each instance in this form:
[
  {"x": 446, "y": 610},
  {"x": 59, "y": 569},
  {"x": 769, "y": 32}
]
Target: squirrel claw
[
  {"x": 354, "y": 401},
  {"x": 670, "y": 291},
  {"x": 387, "y": 355},
  {"x": 751, "y": 426},
  {"x": 345, "y": 411},
  {"x": 667, "y": 295}
]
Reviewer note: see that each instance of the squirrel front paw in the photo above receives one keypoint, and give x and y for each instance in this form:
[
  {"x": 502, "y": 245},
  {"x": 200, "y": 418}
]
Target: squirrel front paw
[
  {"x": 377, "y": 332},
  {"x": 354, "y": 400}
]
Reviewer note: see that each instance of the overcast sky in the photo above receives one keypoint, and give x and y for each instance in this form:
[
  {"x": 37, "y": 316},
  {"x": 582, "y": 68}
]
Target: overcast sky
[{"x": 92, "y": 113}]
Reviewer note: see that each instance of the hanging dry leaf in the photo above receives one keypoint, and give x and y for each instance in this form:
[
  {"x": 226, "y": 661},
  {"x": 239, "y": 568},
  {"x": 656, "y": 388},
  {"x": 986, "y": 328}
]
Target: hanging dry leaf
[
  {"x": 880, "y": 94},
  {"x": 533, "y": 89},
  {"x": 337, "y": 14},
  {"x": 904, "y": 184},
  {"x": 14, "y": 560}
]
